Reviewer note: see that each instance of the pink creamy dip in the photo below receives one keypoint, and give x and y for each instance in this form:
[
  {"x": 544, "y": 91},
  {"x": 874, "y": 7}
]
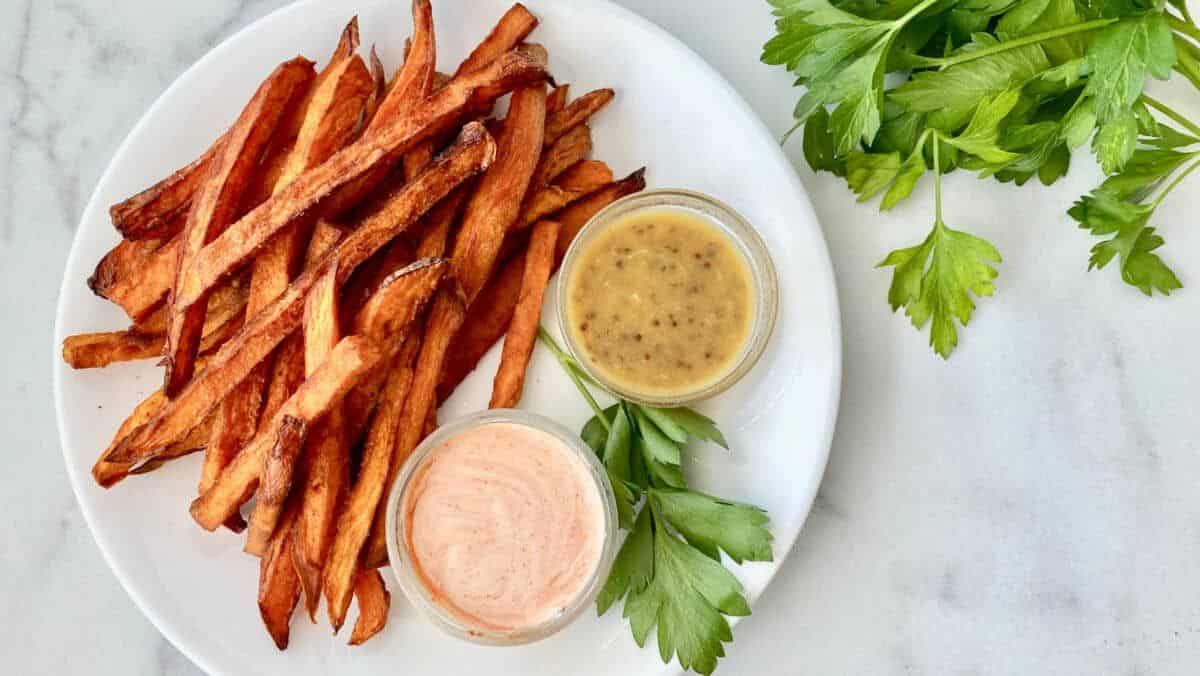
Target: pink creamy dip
[{"x": 504, "y": 525}]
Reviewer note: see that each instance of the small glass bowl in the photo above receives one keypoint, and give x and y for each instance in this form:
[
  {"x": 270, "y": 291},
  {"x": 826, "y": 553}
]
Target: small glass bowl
[
  {"x": 746, "y": 241},
  {"x": 401, "y": 559}
]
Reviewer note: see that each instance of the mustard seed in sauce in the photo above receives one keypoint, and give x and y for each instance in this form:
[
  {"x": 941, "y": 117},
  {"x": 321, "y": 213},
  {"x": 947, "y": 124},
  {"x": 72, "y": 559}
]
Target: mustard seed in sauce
[{"x": 676, "y": 292}]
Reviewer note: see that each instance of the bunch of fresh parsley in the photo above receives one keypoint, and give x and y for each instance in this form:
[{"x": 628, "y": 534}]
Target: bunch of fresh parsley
[
  {"x": 669, "y": 569},
  {"x": 1004, "y": 88}
]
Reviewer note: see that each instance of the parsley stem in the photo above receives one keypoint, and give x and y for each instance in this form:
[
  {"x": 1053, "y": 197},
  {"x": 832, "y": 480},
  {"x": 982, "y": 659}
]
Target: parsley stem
[
  {"x": 577, "y": 376},
  {"x": 937, "y": 180},
  {"x": 1174, "y": 182},
  {"x": 963, "y": 57},
  {"x": 1169, "y": 112},
  {"x": 1182, "y": 26}
]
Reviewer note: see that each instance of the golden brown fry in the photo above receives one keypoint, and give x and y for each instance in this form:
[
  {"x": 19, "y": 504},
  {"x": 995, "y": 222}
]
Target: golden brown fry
[
  {"x": 576, "y": 113},
  {"x": 516, "y": 24},
  {"x": 379, "y": 87},
  {"x": 359, "y": 510},
  {"x": 373, "y": 603},
  {"x": 125, "y": 260},
  {"x": 557, "y": 98},
  {"x": 159, "y": 211},
  {"x": 279, "y": 468},
  {"x": 353, "y": 357},
  {"x": 580, "y": 180},
  {"x": 473, "y": 152},
  {"x": 570, "y": 148},
  {"x": 522, "y": 331},
  {"x": 215, "y": 205},
  {"x": 97, "y": 350},
  {"x": 487, "y": 215},
  {"x": 490, "y": 314},
  {"x": 142, "y": 293},
  {"x": 235, "y": 246},
  {"x": 278, "y": 584},
  {"x": 236, "y": 418},
  {"x": 493, "y": 207},
  {"x": 415, "y": 79},
  {"x": 327, "y": 457}
]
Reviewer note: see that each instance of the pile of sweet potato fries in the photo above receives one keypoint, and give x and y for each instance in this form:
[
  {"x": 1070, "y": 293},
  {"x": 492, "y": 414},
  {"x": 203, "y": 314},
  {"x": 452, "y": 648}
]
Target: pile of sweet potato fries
[{"x": 325, "y": 274}]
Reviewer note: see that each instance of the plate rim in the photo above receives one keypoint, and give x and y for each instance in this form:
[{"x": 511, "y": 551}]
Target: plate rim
[{"x": 619, "y": 13}]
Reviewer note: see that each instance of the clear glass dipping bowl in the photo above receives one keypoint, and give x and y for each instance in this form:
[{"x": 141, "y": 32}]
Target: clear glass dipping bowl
[{"x": 746, "y": 241}]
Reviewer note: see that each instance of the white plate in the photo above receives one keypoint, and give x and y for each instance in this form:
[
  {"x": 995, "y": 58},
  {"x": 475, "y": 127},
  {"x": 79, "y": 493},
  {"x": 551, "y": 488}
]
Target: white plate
[{"x": 672, "y": 113}]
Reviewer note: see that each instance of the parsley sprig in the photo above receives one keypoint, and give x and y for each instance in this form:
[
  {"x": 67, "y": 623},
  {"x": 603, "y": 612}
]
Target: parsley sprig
[
  {"x": 1004, "y": 88},
  {"x": 669, "y": 571}
]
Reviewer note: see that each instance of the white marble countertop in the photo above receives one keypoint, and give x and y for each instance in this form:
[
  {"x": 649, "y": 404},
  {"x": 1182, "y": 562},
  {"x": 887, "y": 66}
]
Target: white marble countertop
[{"x": 1032, "y": 506}]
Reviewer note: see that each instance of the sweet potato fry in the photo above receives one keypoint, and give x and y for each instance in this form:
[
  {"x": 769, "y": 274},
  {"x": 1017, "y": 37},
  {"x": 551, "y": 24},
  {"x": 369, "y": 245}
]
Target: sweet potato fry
[
  {"x": 234, "y": 247},
  {"x": 493, "y": 208},
  {"x": 279, "y": 467},
  {"x": 557, "y": 98},
  {"x": 489, "y": 212},
  {"x": 141, "y": 293},
  {"x": 353, "y": 357},
  {"x": 522, "y": 331},
  {"x": 576, "y": 113},
  {"x": 490, "y": 314},
  {"x": 123, "y": 261},
  {"x": 278, "y": 584},
  {"x": 414, "y": 80},
  {"x": 158, "y": 211},
  {"x": 373, "y": 603},
  {"x": 571, "y": 147},
  {"x": 516, "y": 24},
  {"x": 97, "y": 350},
  {"x": 216, "y": 204},
  {"x": 580, "y": 180},
  {"x": 379, "y": 87},
  {"x": 327, "y": 457},
  {"x": 236, "y": 418},
  {"x": 472, "y": 153},
  {"x": 355, "y": 521}
]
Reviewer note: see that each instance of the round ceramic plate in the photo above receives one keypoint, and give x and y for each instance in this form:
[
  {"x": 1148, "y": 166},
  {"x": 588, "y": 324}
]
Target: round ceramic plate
[{"x": 673, "y": 114}]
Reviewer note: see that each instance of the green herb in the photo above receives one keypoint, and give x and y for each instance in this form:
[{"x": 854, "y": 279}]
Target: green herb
[
  {"x": 668, "y": 571},
  {"x": 1006, "y": 89}
]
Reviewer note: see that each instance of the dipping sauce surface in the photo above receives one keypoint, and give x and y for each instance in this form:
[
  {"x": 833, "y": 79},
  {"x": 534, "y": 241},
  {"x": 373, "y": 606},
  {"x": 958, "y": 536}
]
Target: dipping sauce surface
[
  {"x": 661, "y": 302},
  {"x": 505, "y": 525}
]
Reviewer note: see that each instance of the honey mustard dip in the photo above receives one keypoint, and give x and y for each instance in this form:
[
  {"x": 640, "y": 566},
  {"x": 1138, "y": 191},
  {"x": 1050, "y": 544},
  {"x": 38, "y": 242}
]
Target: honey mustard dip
[{"x": 660, "y": 302}]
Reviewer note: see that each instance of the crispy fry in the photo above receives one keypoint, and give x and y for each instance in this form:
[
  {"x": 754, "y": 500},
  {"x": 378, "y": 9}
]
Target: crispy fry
[
  {"x": 123, "y": 261},
  {"x": 326, "y": 458},
  {"x": 516, "y": 24},
  {"x": 216, "y": 203},
  {"x": 488, "y": 214},
  {"x": 278, "y": 584},
  {"x": 473, "y": 152},
  {"x": 373, "y": 603},
  {"x": 571, "y": 147},
  {"x": 277, "y": 377},
  {"x": 580, "y": 180},
  {"x": 379, "y": 87},
  {"x": 576, "y": 113},
  {"x": 159, "y": 211},
  {"x": 355, "y": 520},
  {"x": 493, "y": 207},
  {"x": 239, "y": 242},
  {"x": 522, "y": 331},
  {"x": 490, "y": 314},
  {"x": 415, "y": 79},
  {"x": 97, "y": 350},
  {"x": 353, "y": 357},
  {"x": 557, "y": 98},
  {"x": 279, "y": 467},
  {"x": 142, "y": 293}
]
